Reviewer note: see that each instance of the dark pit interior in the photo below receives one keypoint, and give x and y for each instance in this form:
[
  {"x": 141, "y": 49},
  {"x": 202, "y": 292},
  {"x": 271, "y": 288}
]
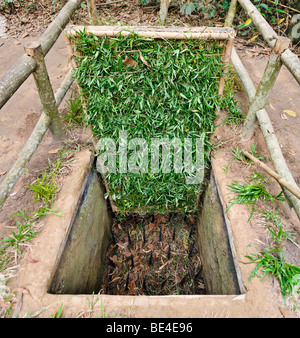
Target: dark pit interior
[
  {"x": 173, "y": 254},
  {"x": 153, "y": 255}
]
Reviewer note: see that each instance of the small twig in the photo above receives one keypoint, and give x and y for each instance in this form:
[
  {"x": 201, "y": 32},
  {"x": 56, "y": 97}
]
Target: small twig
[
  {"x": 271, "y": 172},
  {"x": 109, "y": 3}
]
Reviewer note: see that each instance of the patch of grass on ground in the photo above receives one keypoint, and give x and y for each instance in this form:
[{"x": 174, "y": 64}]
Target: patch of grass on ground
[{"x": 151, "y": 89}]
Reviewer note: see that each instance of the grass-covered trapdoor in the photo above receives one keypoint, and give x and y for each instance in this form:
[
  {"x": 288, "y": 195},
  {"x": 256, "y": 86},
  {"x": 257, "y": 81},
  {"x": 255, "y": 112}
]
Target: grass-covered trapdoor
[{"x": 152, "y": 102}]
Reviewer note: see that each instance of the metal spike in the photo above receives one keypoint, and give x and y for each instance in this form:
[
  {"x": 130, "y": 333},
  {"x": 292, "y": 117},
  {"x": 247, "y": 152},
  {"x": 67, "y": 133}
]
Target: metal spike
[
  {"x": 127, "y": 282},
  {"x": 169, "y": 252},
  {"x": 132, "y": 262},
  {"x": 191, "y": 232},
  {"x": 164, "y": 282},
  {"x": 191, "y": 250},
  {"x": 150, "y": 259},
  {"x": 198, "y": 273},
  {"x": 111, "y": 262},
  {"x": 160, "y": 230},
  {"x": 144, "y": 235},
  {"x": 174, "y": 232},
  {"x": 129, "y": 239},
  {"x": 183, "y": 279}
]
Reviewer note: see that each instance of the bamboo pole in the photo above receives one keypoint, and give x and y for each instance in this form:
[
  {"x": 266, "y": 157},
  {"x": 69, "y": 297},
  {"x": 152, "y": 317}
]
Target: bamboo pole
[
  {"x": 243, "y": 75},
  {"x": 32, "y": 143},
  {"x": 94, "y": 19},
  {"x": 14, "y": 78},
  {"x": 179, "y": 33},
  {"x": 58, "y": 24},
  {"x": 44, "y": 87},
  {"x": 265, "y": 87},
  {"x": 20, "y": 71},
  {"x": 226, "y": 59},
  {"x": 268, "y": 133},
  {"x": 289, "y": 59},
  {"x": 274, "y": 174},
  {"x": 231, "y": 13},
  {"x": 163, "y": 12}
]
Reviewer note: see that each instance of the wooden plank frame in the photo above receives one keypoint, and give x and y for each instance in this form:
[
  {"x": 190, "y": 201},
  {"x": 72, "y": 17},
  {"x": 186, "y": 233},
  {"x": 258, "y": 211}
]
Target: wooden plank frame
[
  {"x": 155, "y": 32},
  {"x": 223, "y": 34}
]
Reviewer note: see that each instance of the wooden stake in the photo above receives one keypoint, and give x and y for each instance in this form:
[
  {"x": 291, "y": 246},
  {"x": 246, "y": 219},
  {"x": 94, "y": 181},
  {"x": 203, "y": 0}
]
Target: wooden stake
[
  {"x": 163, "y": 13},
  {"x": 265, "y": 87},
  {"x": 268, "y": 133},
  {"x": 93, "y": 12},
  {"x": 274, "y": 174},
  {"x": 41, "y": 77},
  {"x": 231, "y": 13}
]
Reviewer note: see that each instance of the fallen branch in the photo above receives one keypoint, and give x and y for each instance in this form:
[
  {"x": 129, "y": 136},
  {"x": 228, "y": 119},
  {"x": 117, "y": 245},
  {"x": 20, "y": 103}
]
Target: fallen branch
[{"x": 274, "y": 174}]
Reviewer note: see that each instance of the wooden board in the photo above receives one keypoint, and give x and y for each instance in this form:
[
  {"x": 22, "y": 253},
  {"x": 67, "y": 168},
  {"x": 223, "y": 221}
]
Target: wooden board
[{"x": 178, "y": 33}]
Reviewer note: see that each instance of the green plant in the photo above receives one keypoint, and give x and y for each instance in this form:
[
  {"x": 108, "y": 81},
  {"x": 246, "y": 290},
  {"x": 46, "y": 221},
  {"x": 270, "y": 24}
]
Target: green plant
[
  {"x": 45, "y": 186},
  {"x": 276, "y": 228},
  {"x": 44, "y": 189},
  {"x": 74, "y": 111},
  {"x": 58, "y": 313},
  {"x": 208, "y": 8},
  {"x": 24, "y": 233},
  {"x": 150, "y": 89},
  {"x": 238, "y": 154},
  {"x": 249, "y": 194},
  {"x": 272, "y": 263}
]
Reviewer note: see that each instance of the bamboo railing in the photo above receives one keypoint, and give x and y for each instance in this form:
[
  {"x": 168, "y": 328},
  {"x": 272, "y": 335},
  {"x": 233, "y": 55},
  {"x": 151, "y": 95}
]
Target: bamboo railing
[
  {"x": 32, "y": 62},
  {"x": 281, "y": 54}
]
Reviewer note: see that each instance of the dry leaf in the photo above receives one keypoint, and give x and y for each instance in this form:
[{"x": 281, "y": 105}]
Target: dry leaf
[
  {"x": 143, "y": 60},
  {"x": 54, "y": 151},
  {"x": 29, "y": 259},
  {"x": 283, "y": 116},
  {"x": 4, "y": 305},
  {"x": 116, "y": 278},
  {"x": 122, "y": 245},
  {"x": 130, "y": 62},
  {"x": 152, "y": 226},
  {"x": 69, "y": 156},
  {"x": 292, "y": 152},
  {"x": 270, "y": 104},
  {"x": 131, "y": 287},
  {"x": 290, "y": 112},
  {"x": 253, "y": 38},
  {"x": 247, "y": 22},
  {"x": 2, "y": 172}
]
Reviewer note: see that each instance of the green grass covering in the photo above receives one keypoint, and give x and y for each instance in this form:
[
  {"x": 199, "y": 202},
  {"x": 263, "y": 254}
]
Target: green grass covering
[{"x": 171, "y": 91}]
